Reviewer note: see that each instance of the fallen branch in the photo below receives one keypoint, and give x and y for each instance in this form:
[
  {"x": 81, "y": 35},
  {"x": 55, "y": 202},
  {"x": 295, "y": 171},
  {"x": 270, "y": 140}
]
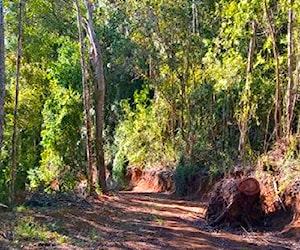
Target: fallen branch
[
  {"x": 278, "y": 197},
  {"x": 3, "y": 205}
]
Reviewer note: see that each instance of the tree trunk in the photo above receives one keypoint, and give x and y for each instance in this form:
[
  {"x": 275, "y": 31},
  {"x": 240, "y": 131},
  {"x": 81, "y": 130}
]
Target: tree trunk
[
  {"x": 86, "y": 101},
  {"x": 278, "y": 101},
  {"x": 245, "y": 116},
  {"x": 290, "y": 93},
  {"x": 14, "y": 153},
  {"x": 234, "y": 201},
  {"x": 99, "y": 96},
  {"x": 2, "y": 73}
]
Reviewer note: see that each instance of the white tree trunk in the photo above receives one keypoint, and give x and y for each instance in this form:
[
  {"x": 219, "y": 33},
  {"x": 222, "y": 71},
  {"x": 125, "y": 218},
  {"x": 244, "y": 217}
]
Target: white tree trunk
[
  {"x": 97, "y": 61},
  {"x": 86, "y": 99},
  {"x": 245, "y": 116}
]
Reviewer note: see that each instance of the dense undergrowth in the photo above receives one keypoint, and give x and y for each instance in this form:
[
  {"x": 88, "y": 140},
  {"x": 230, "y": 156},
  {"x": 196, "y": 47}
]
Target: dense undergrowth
[{"x": 179, "y": 94}]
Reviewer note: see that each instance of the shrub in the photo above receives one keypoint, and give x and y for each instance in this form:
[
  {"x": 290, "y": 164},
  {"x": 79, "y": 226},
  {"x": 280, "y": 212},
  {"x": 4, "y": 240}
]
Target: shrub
[
  {"x": 61, "y": 137},
  {"x": 142, "y": 136},
  {"x": 119, "y": 169},
  {"x": 183, "y": 175}
]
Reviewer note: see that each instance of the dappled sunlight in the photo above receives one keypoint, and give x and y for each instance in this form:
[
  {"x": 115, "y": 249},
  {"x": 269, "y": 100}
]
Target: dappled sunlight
[
  {"x": 140, "y": 221},
  {"x": 150, "y": 125},
  {"x": 171, "y": 208}
]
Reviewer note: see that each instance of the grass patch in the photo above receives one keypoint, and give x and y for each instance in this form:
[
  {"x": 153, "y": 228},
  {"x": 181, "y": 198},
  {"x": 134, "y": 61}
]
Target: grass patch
[
  {"x": 158, "y": 219},
  {"x": 29, "y": 230}
]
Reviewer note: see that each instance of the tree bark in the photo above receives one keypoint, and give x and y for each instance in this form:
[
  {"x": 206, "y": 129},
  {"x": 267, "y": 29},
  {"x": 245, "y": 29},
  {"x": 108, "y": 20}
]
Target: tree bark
[
  {"x": 246, "y": 103},
  {"x": 278, "y": 101},
  {"x": 2, "y": 73},
  {"x": 86, "y": 101},
  {"x": 14, "y": 153},
  {"x": 290, "y": 92},
  {"x": 99, "y": 96}
]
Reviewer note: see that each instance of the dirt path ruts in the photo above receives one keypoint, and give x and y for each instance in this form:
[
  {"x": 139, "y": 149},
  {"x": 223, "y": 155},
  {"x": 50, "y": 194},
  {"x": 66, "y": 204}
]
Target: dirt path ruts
[
  {"x": 156, "y": 221},
  {"x": 147, "y": 221}
]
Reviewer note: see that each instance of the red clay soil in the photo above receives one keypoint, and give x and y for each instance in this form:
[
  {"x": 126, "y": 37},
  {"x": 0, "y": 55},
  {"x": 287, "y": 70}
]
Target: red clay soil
[{"x": 144, "y": 221}]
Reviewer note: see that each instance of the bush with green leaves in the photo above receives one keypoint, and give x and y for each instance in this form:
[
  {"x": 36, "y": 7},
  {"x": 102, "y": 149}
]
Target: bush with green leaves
[
  {"x": 66, "y": 68},
  {"x": 119, "y": 169},
  {"x": 183, "y": 175},
  {"x": 208, "y": 163},
  {"x": 4, "y": 173},
  {"x": 61, "y": 137},
  {"x": 142, "y": 136}
]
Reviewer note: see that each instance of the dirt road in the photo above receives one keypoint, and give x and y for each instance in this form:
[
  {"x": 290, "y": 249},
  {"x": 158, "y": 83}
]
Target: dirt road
[{"x": 144, "y": 221}]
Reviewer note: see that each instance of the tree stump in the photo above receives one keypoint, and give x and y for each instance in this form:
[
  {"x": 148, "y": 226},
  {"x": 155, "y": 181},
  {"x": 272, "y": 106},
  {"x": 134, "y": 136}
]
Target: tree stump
[{"x": 234, "y": 201}]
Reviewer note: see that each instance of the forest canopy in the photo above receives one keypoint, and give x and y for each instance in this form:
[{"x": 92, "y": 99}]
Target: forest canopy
[{"x": 193, "y": 85}]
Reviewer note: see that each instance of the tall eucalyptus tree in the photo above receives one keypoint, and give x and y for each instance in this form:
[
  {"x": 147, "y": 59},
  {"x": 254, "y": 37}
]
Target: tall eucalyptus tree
[
  {"x": 97, "y": 61},
  {"x": 2, "y": 72},
  {"x": 14, "y": 152},
  {"x": 278, "y": 90},
  {"x": 245, "y": 102},
  {"x": 86, "y": 98},
  {"x": 291, "y": 91}
]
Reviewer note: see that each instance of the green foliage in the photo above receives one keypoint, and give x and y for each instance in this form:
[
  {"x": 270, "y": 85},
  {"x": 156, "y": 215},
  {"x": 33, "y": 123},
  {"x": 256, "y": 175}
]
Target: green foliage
[
  {"x": 183, "y": 175},
  {"x": 194, "y": 56},
  {"x": 119, "y": 168},
  {"x": 30, "y": 230},
  {"x": 4, "y": 184},
  {"x": 61, "y": 135},
  {"x": 66, "y": 68},
  {"x": 141, "y": 136},
  {"x": 32, "y": 94},
  {"x": 208, "y": 163}
]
